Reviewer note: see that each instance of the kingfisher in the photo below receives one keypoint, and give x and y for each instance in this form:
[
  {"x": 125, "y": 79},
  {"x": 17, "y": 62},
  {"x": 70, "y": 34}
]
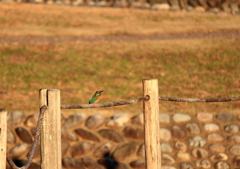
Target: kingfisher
[{"x": 96, "y": 97}]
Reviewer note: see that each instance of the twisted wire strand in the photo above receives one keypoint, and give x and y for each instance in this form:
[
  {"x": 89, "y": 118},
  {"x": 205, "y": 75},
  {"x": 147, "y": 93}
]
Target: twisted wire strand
[{"x": 34, "y": 145}]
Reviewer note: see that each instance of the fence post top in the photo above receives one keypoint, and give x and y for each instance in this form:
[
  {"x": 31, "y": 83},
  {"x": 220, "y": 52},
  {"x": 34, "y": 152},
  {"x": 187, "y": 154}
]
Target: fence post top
[
  {"x": 2, "y": 110},
  {"x": 49, "y": 89},
  {"x": 148, "y": 79}
]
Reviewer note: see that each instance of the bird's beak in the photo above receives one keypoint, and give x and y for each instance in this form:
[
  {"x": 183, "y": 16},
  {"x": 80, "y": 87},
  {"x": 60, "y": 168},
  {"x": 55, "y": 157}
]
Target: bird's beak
[{"x": 101, "y": 91}]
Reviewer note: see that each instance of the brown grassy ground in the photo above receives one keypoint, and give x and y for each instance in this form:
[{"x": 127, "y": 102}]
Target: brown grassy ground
[
  {"x": 185, "y": 66},
  {"x": 46, "y": 20}
]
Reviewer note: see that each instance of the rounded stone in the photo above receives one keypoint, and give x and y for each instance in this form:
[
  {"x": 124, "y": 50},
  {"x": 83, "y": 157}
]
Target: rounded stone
[
  {"x": 204, "y": 164},
  {"x": 33, "y": 131},
  {"x": 236, "y": 161},
  {"x": 181, "y": 146},
  {"x": 235, "y": 149},
  {"x": 224, "y": 117},
  {"x": 213, "y": 10},
  {"x": 199, "y": 9},
  {"x": 18, "y": 150},
  {"x": 178, "y": 132},
  {"x": 118, "y": 120},
  {"x": 103, "y": 151},
  {"x": 124, "y": 151},
  {"x": 183, "y": 156},
  {"x": 165, "y": 134},
  {"x": 138, "y": 120},
  {"x": 37, "y": 153},
  {"x": 71, "y": 163},
  {"x": 111, "y": 135},
  {"x": 166, "y": 148},
  {"x": 64, "y": 146},
  {"x": 197, "y": 141},
  {"x": 161, "y": 6},
  {"x": 139, "y": 164},
  {"x": 74, "y": 120},
  {"x": 214, "y": 137},
  {"x": 81, "y": 149},
  {"x": 174, "y": 8},
  {"x": 95, "y": 121},
  {"x": 217, "y": 148},
  {"x": 200, "y": 153},
  {"x": 193, "y": 128},
  {"x": 111, "y": 163},
  {"x": 31, "y": 120},
  {"x": 10, "y": 136},
  {"x": 234, "y": 139},
  {"x": 211, "y": 127},
  {"x": 232, "y": 128},
  {"x": 168, "y": 167},
  {"x": 186, "y": 166},
  {"x": 141, "y": 151},
  {"x": 180, "y": 118},
  {"x": 24, "y": 135},
  {"x": 68, "y": 135},
  {"x": 15, "y": 118},
  {"x": 133, "y": 132},
  {"x": 219, "y": 157},
  {"x": 90, "y": 163},
  {"x": 167, "y": 159},
  {"x": 86, "y": 135},
  {"x": 164, "y": 118},
  {"x": 222, "y": 165},
  {"x": 204, "y": 117}
]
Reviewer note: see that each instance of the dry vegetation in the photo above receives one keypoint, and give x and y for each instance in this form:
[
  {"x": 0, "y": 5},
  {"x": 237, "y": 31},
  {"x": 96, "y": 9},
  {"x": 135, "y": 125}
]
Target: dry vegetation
[{"x": 191, "y": 67}]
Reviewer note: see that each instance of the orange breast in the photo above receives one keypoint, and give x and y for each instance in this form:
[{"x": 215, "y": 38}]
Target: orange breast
[{"x": 99, "y": 98}]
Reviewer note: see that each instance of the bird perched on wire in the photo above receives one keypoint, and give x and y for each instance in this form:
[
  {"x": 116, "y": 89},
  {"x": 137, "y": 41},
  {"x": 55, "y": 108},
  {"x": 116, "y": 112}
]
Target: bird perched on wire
[{"x": 96, "y": 97}]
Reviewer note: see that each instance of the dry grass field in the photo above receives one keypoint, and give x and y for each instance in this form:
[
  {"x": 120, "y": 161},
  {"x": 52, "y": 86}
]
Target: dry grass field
[{"x": 83, "y": 49}]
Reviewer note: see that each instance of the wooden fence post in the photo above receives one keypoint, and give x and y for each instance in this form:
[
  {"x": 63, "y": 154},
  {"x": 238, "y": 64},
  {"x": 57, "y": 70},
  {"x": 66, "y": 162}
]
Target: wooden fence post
[
  {"x": 51, "y": 154},
  {"x": 151, "y": 124},
  {"x": 3, "y": 138}
]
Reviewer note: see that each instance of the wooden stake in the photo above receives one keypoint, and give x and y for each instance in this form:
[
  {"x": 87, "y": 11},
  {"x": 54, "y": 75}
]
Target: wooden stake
[
  {"x": 3, "y": 138},
  {"x": 51, "y": 154},
  {"x": 151, "y": 124}
]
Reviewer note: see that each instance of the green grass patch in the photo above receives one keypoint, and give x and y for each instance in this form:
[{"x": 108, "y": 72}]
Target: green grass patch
[{"x": 78, "y": 70}]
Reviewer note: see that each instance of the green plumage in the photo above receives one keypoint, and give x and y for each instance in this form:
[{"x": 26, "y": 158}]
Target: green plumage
[
  {"x": 93, "y": 99},
  {"x": 96, "y": 97}
]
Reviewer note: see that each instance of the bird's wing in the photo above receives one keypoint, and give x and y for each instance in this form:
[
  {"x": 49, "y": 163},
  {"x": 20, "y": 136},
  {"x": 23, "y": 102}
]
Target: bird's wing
[{"x": 93, "y": 99}]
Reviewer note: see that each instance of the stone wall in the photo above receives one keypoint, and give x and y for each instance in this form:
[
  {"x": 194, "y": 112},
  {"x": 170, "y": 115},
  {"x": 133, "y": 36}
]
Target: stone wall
[
  {"x": 214, "y": 6},
  {"x": 201, "y": 140}
]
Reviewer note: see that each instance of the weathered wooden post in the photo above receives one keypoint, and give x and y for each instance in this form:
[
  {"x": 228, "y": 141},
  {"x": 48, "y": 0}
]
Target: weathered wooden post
[
  {"x": 3, "y": 138},
  {"x": 51, "y": 154},
  {"x": 151, "y": 124}
]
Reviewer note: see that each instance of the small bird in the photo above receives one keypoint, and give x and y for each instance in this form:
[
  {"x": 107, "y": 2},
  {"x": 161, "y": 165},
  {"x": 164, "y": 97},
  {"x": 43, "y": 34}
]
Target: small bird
[{"x": 96, "y": 97}]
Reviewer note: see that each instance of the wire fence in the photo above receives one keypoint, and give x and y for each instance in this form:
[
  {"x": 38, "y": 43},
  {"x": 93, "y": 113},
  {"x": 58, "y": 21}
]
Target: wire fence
[{"x": 112, "y": 104}]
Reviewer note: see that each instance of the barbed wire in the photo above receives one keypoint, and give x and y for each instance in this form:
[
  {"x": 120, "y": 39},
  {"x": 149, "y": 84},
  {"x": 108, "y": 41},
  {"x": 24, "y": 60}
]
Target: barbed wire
[
  {"x": 34, "y": 145},
  {"x": 161, "y": 98}
]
